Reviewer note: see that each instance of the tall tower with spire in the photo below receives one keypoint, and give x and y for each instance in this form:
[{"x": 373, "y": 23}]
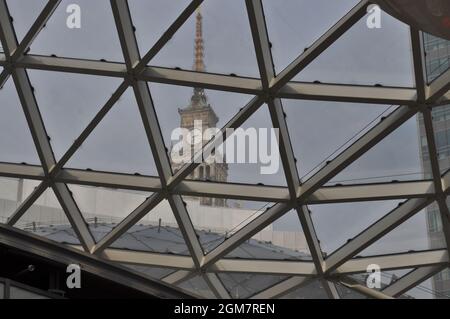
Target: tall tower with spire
[{"x": 197, "y": 110}]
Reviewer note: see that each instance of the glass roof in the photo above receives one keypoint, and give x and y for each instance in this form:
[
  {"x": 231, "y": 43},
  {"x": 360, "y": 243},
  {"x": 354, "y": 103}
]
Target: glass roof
[{"x": 330, "y": 143}]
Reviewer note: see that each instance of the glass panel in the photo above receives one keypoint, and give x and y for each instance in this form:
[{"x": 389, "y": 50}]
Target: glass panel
[
  {"x": 119, "y": 143},
  {"x": 336, "y": 224},
  {"x": 260, "y": 146},
  {"x": 441, "y": 126},
  {"x": 221, "y": 218},
  {"x": 437, "y": 56},
  {"x": 411, "y": 235},
  {"x": 16, "y": 142},
  {"x": 68, "y": 102},
  {"x": 103, "y": 207},
  {"x": 437, "y": 287},
  {"x": 152, "y": 272},
  {"x": 152, "y": 18},
  {"x": 320, "y": 131},
  {"x": 92, "y": 40},
  {"x": 434, "y": 226},
  {"x": 249, "y": 155},
  {"x": 366, "y": 56},
  {"x": 293, "y": 25},
  {"x": 395, "y": 158},
  {"x": 24, "y": 14},
  {"x": 282, "y": 240},
  {"x": 13, "y": 192},
  {"x": 156, "y": 232},
  {"x": 197, "y": 286},
  {"x": 347, "y": 293},
  {"x": 224, "y": 41},
  {"x": 242, "y": 285},
  {"x": 171, "y": 100},
  {"x": 312, "y": 290},
  {"x": 46, "y": 218}
]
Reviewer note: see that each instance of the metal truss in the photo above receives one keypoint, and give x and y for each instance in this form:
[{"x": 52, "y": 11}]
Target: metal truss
[{"x": 268, "y": 89}]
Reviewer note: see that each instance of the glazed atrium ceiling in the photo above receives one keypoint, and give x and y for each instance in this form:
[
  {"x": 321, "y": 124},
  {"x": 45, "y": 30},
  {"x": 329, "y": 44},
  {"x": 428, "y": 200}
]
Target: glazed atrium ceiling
[{"x": 94, "y": 107}]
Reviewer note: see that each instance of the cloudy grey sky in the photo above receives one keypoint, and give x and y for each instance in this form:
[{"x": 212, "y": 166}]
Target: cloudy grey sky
[{"x": 363, "y": 56}]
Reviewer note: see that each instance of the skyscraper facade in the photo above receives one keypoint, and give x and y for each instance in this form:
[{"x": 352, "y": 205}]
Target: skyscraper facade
[{"x": 437, "y": 58}]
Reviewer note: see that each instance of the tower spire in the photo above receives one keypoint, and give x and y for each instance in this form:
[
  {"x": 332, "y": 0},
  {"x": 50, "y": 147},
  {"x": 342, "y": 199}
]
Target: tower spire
[
  {"x": 198, "y": 98},
  {"x": 199, "y": 64}
]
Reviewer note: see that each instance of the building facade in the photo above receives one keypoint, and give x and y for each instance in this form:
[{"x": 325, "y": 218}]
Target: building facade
[
  {"x": 437, "y": 58},
  {"x": 197, "y": 117}
]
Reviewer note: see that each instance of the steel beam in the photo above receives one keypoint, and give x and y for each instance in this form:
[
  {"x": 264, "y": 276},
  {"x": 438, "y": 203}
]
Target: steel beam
[
  {"x": 34, "y": 119},
  {"x": 311, "y": 238},
  {"x": 372, "y": 192},
  {"x": 187, "y": 228},
  {"x": 252, "y": 86},
  {"x": 262, "y": 193},
  {"x": 125, "y": 30},
  {"x": 331, "y": 289},
  {"x": 27, "y": 203},
  {"x": 24, "y": 171},
  {"x": 110, "y": 180},
  {"x": 7, "y": 35},
  {"x": 348, "y": 93},
  {"x": 283, "y": 288},
  {"x": 356, "y": 286},
  {"x": 396, "y": 261},
  {"x": 178, "y": 277},
  {"x": 419, "y": 65},
  {"x": 216, "y": 286},
  {"x": 269, "y": 267},
  {"x": 70, "y": 208},
  {"x": 261, "y": 43},
  {"x": 71, "y": 65}
]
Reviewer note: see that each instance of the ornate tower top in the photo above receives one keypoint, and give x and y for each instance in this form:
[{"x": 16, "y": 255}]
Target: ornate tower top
[
  {"x": 199, "y": 98},
  {"x": 199, "y": 64}
]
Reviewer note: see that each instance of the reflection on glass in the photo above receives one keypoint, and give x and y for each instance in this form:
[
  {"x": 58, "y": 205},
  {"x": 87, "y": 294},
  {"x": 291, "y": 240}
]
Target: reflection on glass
[{"x": 437, "y": 56}]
